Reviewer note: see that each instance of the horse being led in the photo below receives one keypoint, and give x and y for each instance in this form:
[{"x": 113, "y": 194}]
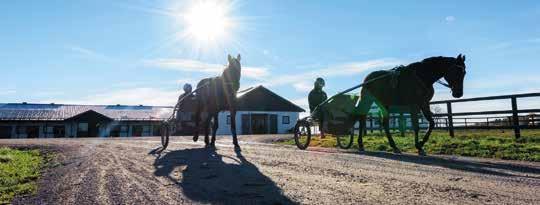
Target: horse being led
[
  {"x": 218, "y": 94},
  {"x": 409, "y": 88}
]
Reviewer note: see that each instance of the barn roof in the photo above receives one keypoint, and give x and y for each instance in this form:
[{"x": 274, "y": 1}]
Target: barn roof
[
  {"x": 58, "y": 112},
  {"x": 262, "y": 99}
]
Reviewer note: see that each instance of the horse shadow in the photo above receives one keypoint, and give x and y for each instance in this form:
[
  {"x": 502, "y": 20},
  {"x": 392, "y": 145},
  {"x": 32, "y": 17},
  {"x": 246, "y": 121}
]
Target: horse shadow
[
  {"x": 205, "y": 176},
  {"x": 491, "y": 168}
]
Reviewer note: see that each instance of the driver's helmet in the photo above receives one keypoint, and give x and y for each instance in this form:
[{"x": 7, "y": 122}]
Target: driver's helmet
[
  {"x": 187, "y": 88},
  {"x": 319, "y": 82}
]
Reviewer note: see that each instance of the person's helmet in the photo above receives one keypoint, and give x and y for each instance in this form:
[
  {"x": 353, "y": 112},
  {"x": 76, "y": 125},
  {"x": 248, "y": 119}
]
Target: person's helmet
[
  {"x": 187, "y": 88},
  {"x": 319, "y": 82}
]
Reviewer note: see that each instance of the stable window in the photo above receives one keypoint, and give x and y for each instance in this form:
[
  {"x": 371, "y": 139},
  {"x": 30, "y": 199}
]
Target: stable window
[
  {"x": 285, "y": 120},
  {"x": 228, "y": 119}
]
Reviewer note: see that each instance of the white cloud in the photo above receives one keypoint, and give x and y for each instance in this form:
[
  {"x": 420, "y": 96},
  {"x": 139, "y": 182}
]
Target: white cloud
[
  {"x": 450, "y": 18},
  {"x": 346, "y": 69},
  {"x": 303, "y": 86},
  {"x": 132, "y": 96},
  {"x": 88, "y": 53},
  {"x": 303, "y": 103},
  {"x": 189, "y": 65}
]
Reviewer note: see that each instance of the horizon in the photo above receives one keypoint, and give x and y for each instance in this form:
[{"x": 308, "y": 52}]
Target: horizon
[{"x": 139, "y": 52}]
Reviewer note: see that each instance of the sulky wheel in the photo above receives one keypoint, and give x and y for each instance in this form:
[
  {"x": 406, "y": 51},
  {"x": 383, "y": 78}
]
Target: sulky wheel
[
  {"x": 165, "y": 132},
  {"x": 302, "y": 134},
  {"x": 346, "y": 141}
]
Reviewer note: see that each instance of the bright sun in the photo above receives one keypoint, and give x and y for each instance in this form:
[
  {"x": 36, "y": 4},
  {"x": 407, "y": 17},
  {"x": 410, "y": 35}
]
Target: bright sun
[{"x": 208, "y": 21}]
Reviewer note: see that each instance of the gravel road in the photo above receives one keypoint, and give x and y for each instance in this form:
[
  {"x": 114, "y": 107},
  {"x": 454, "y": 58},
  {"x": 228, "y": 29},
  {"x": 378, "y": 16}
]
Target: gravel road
[{"x": 131, "y": 171}]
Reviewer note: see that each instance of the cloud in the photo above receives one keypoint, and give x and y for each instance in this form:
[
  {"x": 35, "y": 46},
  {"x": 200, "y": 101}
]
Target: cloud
[
  {"x": 132, "y": 96},
  {"x": 303, "y": 86},
  {"x": 450, "y": 18},
  {"x": 515, "y": 43},
  {"x": 303, "y": 103},
  {"x": 88, "y": 53},
  {"x": 189, "y": 65},
  {"x": 345, "y": 69}
]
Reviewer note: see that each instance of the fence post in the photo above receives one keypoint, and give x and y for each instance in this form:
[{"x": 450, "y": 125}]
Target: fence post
[
  {"x": 515, "y": 118},
  {"x": 450, "y": 120},
  {"x": 371, "y": 122},
  {"x": 487, "y": 122}
]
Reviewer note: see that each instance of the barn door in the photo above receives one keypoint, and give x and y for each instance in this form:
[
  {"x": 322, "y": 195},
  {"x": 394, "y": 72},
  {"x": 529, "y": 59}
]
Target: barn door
[{"x": 273, "y": 124}]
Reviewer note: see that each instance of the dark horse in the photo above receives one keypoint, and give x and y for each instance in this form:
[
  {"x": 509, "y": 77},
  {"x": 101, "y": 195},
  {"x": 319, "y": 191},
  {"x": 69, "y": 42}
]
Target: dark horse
[
  {"x": 409, "y": 88},
  {"x": 218, "y": 94}
]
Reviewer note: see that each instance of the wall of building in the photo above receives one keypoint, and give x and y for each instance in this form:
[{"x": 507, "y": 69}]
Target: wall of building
[
  {"x": 224, "y": 128},
  {"x": 70, "y": 128}
]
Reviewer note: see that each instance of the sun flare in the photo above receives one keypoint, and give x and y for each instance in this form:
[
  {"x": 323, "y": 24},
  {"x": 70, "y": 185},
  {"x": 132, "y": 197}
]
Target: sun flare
[{"x": 208, "y": 21}]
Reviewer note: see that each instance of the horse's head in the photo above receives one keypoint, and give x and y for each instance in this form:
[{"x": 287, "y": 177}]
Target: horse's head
[
  {"x": 233, "y": 71},
  {"x": 455, "y": 76}
]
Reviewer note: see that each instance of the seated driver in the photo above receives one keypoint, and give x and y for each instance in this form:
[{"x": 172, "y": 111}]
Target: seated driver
[
  {"x": 182, "y": 100},
  {"x": 316, "y": 97}
]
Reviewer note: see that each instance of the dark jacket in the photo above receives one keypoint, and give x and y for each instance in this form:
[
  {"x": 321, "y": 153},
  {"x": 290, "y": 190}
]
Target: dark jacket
[{"x": 316, "y": 97}]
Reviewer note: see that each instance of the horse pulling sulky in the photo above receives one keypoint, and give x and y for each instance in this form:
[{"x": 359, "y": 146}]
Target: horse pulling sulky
[
  {"x": 404, "y": 88},
  {"x": 211, "y": 96}
]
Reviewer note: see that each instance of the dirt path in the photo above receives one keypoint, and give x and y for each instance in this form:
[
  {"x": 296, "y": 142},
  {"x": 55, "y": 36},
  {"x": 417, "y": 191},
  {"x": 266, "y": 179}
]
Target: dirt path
[{"x": 129, "y": 171}]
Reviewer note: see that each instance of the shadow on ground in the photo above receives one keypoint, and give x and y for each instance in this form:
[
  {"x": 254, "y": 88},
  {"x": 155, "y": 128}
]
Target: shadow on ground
[
  {"x": 208, "y": 177},
  {"x": 492, "y": 168}
]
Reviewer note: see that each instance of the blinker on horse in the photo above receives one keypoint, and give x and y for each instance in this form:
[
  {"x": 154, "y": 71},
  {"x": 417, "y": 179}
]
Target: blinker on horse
[
  {"x": 409, "y": 89},
  {"x": 215, "y": 95}
]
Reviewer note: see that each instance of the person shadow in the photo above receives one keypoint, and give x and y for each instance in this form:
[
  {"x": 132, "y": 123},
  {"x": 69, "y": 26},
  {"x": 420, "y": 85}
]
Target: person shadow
[{"x": 205, "y": 176}]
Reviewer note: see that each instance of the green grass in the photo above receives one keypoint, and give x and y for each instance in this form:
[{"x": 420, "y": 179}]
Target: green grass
[
  {"x": 19, "y": 170},
  {"x": 474, "y": 143}
]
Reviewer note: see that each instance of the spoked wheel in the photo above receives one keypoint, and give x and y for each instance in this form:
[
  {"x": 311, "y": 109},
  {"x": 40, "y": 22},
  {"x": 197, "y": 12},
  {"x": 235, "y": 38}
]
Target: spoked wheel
[
  {"x": 165, "y": 132},
  {"x": 345, "y": 141},
  {"x": 302, "y": 134}
]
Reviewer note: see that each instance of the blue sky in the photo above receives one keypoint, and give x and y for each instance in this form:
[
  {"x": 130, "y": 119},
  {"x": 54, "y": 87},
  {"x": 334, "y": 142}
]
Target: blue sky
[{"x": 133, "y": 52}]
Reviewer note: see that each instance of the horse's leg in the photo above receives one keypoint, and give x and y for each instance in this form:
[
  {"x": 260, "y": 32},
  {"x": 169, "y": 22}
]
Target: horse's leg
[
  {"x": 429, "y": 117},
  {"x": 197, "y": 121},
  {"x": 233, "y": 128},
  {"x": 361, "y": 129},
  {"x": 386, "y": 125},
  {"x": 366, "y": 100},
  {"x": 207, "y": 130},
  {"x": 214, "y": 129},
  {"x": 416, "y": 129}
]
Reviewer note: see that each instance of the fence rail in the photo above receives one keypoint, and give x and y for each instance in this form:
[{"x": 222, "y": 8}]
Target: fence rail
[
  {"x": 514, "y": 119},
  {"x": 511, "y": 118}
]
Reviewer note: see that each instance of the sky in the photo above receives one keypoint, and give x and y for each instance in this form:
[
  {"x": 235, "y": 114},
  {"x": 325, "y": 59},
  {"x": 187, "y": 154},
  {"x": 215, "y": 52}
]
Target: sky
[{"x": 142, "y": 52}]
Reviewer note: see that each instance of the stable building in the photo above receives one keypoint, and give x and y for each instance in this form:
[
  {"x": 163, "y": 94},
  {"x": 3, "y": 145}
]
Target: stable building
[
  {"x": 260, "y": 111},
  {"x": 26, "y": 120}
]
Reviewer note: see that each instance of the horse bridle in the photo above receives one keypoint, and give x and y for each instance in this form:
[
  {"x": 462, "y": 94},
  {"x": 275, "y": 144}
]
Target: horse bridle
[{"x": 447, "y": 84}]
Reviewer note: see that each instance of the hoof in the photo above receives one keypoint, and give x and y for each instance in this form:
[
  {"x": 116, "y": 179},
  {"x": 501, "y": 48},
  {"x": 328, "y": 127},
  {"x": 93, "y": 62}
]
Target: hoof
[
  {"x": 195, "y": 138},
  {"x": 361, "y": 150},
  {"x": 421, "y": 152}
]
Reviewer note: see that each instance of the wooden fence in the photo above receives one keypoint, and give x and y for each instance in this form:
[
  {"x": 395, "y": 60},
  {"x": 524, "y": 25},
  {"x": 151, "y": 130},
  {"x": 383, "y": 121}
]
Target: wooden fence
[
  {"x": 497, "y": 119},
  {"x": 513, "y": 121}
]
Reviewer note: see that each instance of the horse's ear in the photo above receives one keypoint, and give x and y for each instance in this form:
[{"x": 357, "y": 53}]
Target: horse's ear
[
  {"x": 463, "y": 58},
  {"x": 229, "y": 57},
  {"x": 459, "y": 57},
  {"x": 238, "y": 57}
]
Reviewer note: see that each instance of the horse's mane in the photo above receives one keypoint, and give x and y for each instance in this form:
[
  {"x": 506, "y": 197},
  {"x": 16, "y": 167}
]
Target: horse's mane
[{"x": 430, "y": 61}]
